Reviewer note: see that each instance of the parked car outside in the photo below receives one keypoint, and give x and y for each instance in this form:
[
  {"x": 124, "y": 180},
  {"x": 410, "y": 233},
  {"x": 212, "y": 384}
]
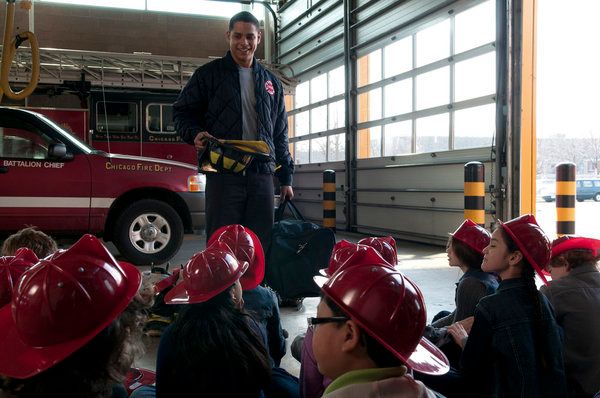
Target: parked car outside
[{"x": 585, "y": 188}]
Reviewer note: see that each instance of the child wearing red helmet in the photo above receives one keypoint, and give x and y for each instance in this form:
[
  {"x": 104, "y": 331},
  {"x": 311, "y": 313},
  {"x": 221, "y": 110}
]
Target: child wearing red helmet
[
  {"x": 367, "y": 332},
  {"x": 574, "y": 292},
  {"x": 514, "y": 348},
  {"x": 465, "y": 251},
  {"x": 345, "y": 254},
  {"x": 73, "y": 327},
  {"x": 213, "y": 348},
  {"x": 259, "y": 301}
]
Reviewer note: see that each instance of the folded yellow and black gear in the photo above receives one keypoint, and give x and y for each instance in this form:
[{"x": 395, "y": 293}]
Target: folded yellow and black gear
[{"x": 232, "y": 156}]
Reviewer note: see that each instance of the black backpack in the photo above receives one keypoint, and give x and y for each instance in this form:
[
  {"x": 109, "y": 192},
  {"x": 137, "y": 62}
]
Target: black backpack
[{"x": 297, "y": 250}]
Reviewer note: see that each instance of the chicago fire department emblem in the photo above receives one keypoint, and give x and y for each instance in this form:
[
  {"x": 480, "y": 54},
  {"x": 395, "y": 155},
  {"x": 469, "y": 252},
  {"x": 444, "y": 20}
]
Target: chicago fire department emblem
[{"x": 269, "y": 87}]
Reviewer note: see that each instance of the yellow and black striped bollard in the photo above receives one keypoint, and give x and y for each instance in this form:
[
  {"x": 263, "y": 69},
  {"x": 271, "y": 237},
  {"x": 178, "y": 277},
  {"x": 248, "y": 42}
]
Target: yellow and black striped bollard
[
  {"x": 565, "y": 198},
  {"x": 329, "y": 199},
  {"x": 475, "y": 192}
]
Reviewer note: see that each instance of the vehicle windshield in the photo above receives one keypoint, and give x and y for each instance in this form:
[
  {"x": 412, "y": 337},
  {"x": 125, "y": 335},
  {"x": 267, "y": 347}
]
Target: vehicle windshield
[{"x": 74, "y": 140}]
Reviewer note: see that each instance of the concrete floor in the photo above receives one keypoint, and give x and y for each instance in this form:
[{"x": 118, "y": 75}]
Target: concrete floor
[{"x": 426, "y": 265}]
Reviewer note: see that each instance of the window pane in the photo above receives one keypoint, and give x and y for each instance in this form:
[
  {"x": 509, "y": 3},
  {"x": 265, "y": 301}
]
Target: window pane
[
  {"x": 168, "y": 125},
  {"x": 369, "y": 141},
  {"x": 19, "y": 139},
  {"x": 433, "y": 88},
  {"x": 433, "y": 133},
  {"x": 318, "y": 119},
  {"x": 398, "y": 57},
  {"x": 301, "y": 123},
  {"x": 398, "y": 138},
  {"x": 474, "y": 127},
  {"x": 116, "y": 117},
  {"x": 202, "y": 7},
  {"x": 369, "y": 68},
  {"x": 291, "y": 127},
  {"x": 398, "y": 98},
  {"x": 130, "y": 4},
  {"x": 301, "y": 97},
  {"x": 433, "y": 43},
  {"x": 475, "y": 77},
  {"x": 369, "y": 105},
  {"x": 301, "y": 152},
  {"x": 337, "y": 81},
  {"x": 337, "y": 147},
  {"x": 289, "y": 102},
  {"x": 318, "y": 89},
  {"x": 318, "y": 150},
  {"x": 337, "y": 114},
  {"x": 475, "y": 26},
  {"x": 153, "y": 118}
]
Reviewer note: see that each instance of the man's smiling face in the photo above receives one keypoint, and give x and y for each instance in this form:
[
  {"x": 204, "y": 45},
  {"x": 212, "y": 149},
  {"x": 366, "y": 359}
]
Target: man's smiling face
[{"x": 243, "y": 40}]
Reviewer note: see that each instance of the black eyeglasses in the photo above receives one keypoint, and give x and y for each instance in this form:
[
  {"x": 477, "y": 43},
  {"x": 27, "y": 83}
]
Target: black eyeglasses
[{"x": 313, "y": 321}]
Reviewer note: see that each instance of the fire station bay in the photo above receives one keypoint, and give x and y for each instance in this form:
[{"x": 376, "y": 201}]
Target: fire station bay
[{"x": 299, "y": 198}]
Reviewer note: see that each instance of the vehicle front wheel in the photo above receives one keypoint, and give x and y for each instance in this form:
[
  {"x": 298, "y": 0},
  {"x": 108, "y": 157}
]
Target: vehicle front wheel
[
  {"x": 597, "y": 197},
  {"x": 148, "y": 231}
]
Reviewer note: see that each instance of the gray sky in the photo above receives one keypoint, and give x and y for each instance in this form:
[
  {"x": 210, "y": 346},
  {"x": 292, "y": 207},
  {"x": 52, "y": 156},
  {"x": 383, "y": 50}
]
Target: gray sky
[{"x": 568, "y": 68}]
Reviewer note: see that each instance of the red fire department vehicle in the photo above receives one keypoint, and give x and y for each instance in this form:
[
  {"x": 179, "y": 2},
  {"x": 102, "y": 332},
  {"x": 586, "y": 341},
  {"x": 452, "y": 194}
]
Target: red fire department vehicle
[
  {"x": 126, "y": 122},
  {"x": 53, "y": 180}
]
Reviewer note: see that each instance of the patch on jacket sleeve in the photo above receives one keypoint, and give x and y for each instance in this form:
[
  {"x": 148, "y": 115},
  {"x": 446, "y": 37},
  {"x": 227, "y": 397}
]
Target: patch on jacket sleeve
[{"x": 269, "y": 87}]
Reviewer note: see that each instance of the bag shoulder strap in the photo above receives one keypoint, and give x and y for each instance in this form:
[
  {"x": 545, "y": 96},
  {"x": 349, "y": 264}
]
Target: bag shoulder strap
[{"x": 293, "y": 209}]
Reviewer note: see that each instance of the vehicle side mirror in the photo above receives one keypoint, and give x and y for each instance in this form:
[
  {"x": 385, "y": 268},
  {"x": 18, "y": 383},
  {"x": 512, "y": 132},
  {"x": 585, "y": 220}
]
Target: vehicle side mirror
[{"x": 58, "y": 151}]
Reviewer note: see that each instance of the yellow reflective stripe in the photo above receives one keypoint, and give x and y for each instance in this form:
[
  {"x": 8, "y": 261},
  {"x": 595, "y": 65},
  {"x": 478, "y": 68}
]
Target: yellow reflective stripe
[
  {"x": 565, "y": 214},
  {"x": 329, "y": 205},
  {"x": 565, "y": 188},
  {"x": 478, "y": 216},
  {"x": 329, "y": 186},
  {"x": 329, "y": 222},
  {"x": 474, "y": 189}
]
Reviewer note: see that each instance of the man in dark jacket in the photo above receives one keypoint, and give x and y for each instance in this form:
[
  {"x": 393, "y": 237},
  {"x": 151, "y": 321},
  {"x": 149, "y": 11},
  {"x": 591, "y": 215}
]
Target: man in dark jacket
[{"x": 236, "y": 98}]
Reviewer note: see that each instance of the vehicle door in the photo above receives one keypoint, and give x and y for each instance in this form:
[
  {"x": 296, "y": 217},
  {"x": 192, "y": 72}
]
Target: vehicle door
[{"x": 37, "y": 187}]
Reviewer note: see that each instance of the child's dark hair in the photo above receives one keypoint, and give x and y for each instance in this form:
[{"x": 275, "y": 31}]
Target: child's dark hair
[
  {"x": 215, "y": 342},
  {"x": 243, "y": 16},
  {"x": 382, "y": 357},
  {"x": 465, "y": 254},
  {"x": 577, "y": 258},
  {"x": 528, "y": 275},
  {"x": 93, "y": 370}
]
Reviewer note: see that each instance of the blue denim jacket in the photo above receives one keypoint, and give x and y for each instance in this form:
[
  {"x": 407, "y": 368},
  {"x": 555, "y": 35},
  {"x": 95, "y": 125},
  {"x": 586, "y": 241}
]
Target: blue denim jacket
[
  {"x": 489, "y": 281},
  {"x": 500, "y": 358}
]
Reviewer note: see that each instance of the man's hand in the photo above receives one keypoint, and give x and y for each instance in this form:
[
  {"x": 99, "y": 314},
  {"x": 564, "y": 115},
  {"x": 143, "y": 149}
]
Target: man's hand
[
  {"x": 200, "y": 140},
  {"x": 287, "y": 193}
]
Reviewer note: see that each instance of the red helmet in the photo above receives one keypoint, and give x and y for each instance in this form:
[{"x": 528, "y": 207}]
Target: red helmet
[
  {"x": 60, "y": 304},
  {"x": 566, "y": 243},
  {"x": 385, "y": 245},
  {"x": 473, "y": 235},
  {"x": 245, "y": 246},
  {"x": 390, "y": 308},
  {"x": 11, "y": 268},
  {"x": 207, "y": 274},
  {"x": 531, "y": 240},
  {"x": 341, "y": 251},
  {"x": 349, "y": 255}
]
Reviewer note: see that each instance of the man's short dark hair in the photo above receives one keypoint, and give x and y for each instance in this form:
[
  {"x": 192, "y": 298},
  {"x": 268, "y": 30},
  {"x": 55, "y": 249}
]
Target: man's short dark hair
[{"x": 243, "y": 16}]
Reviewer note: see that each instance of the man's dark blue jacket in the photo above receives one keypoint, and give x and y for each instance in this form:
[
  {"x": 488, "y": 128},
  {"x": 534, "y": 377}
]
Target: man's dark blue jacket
[{"x": 211, "y": 101}]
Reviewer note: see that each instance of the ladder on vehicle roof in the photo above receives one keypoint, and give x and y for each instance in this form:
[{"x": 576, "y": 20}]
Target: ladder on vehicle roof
[{"x": 104, "y": 69}]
